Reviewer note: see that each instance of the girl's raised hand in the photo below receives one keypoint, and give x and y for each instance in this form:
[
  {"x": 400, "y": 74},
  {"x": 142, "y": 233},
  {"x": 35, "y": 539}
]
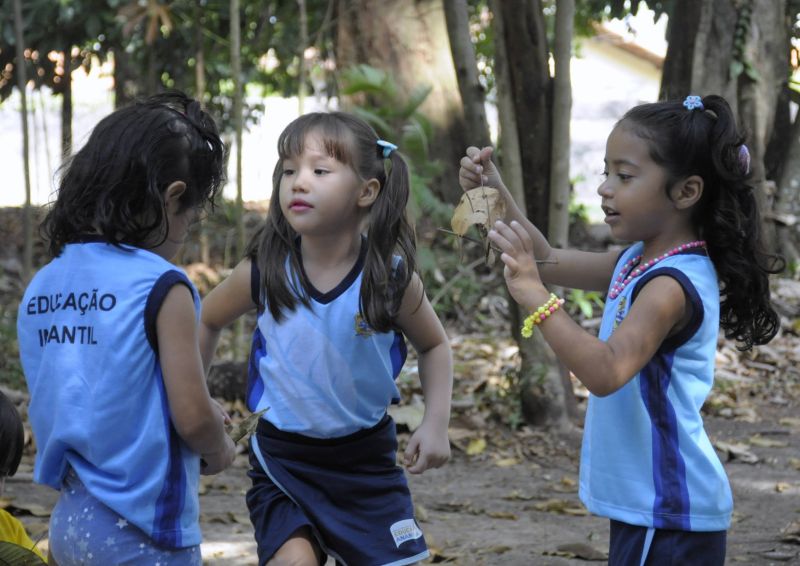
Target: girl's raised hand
[
  {"x": 520, "y": 271},
  {"x": 477, "y": 163}
]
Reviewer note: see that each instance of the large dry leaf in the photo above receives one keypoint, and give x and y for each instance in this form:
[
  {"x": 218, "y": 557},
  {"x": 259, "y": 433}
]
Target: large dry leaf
[
  {"x": 15, "y": 555},
  {"x": 482, "y": 206}
]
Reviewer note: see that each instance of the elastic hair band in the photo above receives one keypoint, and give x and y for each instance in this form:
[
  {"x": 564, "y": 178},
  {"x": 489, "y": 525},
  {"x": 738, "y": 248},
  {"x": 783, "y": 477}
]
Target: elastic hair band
[
  {"x": 388, "y": 148},
  {"x": 693, "y": 102},
  {"x": 744, "y": 159}
]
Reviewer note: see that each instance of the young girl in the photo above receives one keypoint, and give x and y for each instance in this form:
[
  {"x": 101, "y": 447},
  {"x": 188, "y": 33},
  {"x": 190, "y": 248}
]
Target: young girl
[
  {"x": 332, "y": 275},
  {"x": 676, "y": 185},
  {"x": 12, "y": 442},
  {"x": 108, "y": 340}
]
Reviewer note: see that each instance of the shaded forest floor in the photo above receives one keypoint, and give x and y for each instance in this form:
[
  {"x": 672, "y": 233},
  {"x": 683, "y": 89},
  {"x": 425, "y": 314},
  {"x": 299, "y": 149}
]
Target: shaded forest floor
[{"x": 509, "y": 493}]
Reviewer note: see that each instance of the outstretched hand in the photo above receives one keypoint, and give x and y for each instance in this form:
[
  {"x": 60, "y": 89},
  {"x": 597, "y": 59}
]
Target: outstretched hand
[
  {"x": 520, "y": 271},
  {"x": 477, "y": 169}
]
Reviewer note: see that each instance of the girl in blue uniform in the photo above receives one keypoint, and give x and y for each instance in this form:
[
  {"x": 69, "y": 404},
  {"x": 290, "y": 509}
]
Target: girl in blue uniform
[
  {"x": 108, "y": 341},
  {"x": 332, "y": 276},
  {"x": 677, "y": 186}
]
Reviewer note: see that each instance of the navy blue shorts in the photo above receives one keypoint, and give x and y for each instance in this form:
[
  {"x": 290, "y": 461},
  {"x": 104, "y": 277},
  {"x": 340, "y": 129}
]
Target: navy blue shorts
[
  {"x": 631, "y": 545},
  {"x": 349, "y": 491}
]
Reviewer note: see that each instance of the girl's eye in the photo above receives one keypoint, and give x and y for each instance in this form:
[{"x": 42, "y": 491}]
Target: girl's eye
[
  {"x": 624, "y": 177},
  {"x": 320, "y": 171},
  {"x": 288, "y": 172}
]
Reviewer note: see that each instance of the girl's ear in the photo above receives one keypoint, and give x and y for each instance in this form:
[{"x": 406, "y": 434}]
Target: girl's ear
[
  {"x": 174, "y": 191},
  {"x": 687, "y": 192},
  {"x": 369, "y": 192}
]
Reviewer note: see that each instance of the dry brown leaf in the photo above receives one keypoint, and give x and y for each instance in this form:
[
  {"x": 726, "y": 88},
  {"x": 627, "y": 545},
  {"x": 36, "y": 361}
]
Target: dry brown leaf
[
  {"x": 481, "y": 206},
  {"x": 736, "y": 451},
  {"x": 502, "y": 515},
  {"x": 247, "y": 426}
]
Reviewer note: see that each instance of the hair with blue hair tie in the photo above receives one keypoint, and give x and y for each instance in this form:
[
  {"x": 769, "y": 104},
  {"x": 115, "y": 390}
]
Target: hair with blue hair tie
[
  {"x": 388, "y": 148},
  {"x": 693, "y": 102}
]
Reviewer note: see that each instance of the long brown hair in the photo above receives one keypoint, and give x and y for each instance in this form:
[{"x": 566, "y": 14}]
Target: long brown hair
[{"x": 351, "y": 141}]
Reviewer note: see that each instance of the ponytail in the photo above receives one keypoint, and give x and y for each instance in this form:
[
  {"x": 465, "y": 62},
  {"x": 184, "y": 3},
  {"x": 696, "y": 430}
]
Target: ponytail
[{"x": 702, "y": 139}]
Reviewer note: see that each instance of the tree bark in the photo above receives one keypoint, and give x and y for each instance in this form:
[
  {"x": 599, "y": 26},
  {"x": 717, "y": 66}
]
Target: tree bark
[
  {"x": 66, "y": 104},
  {"x": 522, "y": 43},
  {"x": 236, "y": 71},
  {"x": 472, "y": 92},
  {"x": 22, "y": 84},
  {"x": 562, "y": 108},
  {"x": 708, "y": 40},
  {"x": 529, "y": 72},
  {"x": 409, "y": 39}
]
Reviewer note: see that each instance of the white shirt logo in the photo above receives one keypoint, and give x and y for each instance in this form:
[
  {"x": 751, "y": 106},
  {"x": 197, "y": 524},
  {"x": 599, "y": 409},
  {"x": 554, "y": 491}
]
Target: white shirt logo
[{"x": 405, "y": 530}]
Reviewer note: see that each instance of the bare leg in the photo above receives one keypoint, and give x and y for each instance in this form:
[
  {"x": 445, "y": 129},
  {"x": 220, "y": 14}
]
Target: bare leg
[{"x": 300, "y": 550}]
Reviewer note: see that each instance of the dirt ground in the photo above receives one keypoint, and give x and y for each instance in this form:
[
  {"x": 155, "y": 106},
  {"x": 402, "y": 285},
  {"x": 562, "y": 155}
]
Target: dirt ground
[{"x": 515, "y": 501}]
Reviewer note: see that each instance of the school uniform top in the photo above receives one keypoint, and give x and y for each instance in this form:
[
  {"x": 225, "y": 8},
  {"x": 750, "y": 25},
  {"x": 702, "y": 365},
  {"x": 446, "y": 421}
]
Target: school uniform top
[
  {"x": 87, "y": 340},
  {"x": 321, "y": 370},
  {"x": 646, "y": 459}
]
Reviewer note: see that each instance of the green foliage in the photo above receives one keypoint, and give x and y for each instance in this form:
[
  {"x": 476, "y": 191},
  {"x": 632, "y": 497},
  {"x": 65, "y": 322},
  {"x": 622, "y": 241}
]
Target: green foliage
[
  {"x": 395, "y": 116},
  {"x": 584, "y": 302}
]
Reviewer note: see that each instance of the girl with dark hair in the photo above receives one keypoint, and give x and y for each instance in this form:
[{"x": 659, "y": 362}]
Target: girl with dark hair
[
  {"x": 12, "y": 441},
  {"x": 332, "y": 276},
  {"x": 108, "y": 341},
  {"x": 677, "y": 186}
]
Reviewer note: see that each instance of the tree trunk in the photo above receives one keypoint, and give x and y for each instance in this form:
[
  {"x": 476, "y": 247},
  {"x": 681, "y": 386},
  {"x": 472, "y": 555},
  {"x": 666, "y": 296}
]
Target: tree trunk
[
  {"x": 472, "y": 92},
  {"x": 200, "y": 94},
  {"x": 66, "y": 105},
  {"x": 22, "y": 82},
  {"x": 787, "y": 210},
  {"x": 562, "y": 108},
  {"x": 529, "y": 72},
  {"x": 236, "y": 71},
  {"x": 409, "y": 39},
  {"x": 302, "y": 74},
  {"x": 521, "y": 41},
  {"x": 732, "y": 49},
  {"x": 125, "y": 87}
]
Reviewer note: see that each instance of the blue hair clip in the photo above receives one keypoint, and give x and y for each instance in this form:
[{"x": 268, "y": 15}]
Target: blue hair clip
[
  {"x": 693, "y": 102},
  {"x": 388, "y": 148},
  {"x": 744, "y": 159}
]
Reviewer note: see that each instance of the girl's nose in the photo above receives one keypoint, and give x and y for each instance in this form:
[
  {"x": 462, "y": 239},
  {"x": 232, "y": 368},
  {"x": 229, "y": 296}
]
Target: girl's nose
[{"x": 604, "y": 189}]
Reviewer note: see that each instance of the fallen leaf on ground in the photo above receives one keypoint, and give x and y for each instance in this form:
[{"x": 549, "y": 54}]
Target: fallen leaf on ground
[
  {"x": 578, "y": 550},
  {"x": 736, "y": 452},
  {"x": 560, "y": 506},
  {"x": 476, "y": 446},
  {"x": 762, "y": 442}
]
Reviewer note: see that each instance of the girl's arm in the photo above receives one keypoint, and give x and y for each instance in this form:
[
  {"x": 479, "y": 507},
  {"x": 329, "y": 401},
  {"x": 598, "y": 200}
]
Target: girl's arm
[
  {"x": 568, "y": 268},
  {"x": 429, "y": 446},
  {"x": 196, "y": 418},
  {"x": 603, "y": 367},
  {"x": 224, "y": 304}
]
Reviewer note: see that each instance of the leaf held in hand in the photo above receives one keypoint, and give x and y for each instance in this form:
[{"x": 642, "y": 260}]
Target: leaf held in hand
[
  {"x": 244, "y": 428},
  {"x": 481, "y": 206}
]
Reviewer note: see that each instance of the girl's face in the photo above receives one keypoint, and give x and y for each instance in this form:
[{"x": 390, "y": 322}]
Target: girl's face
[
  {"x": 635, "y": 199},
  {"x": 320, "y": 195}
]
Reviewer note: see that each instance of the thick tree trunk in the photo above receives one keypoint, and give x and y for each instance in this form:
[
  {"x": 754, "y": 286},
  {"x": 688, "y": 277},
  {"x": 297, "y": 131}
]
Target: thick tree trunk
[
  {"x": 531, "y": 87},
  {"x": 200, "y": 94},
  {"x": 708, "y": 40},
  {"x": 520, "y": 37},
  {"x": 409, "y": 39},
  {"x": 236, "y": 71},
  {"x": 472, "y": 92}
]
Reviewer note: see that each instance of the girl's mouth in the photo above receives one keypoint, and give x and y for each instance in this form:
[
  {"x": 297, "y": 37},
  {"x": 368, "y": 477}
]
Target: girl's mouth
[{"x": 299, "y": 205}]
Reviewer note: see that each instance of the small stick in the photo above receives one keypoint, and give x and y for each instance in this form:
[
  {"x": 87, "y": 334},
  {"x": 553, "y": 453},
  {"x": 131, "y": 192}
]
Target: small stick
[{"x": 492, "y": 247}]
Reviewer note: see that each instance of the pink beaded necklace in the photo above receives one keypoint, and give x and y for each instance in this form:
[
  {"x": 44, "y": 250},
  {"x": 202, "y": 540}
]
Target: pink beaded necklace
[{"x": 622, "y": 281}]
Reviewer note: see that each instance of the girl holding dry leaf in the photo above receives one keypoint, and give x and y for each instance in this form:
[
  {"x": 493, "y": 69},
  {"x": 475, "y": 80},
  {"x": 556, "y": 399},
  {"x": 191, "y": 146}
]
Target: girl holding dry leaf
[
  {"x": 677, "y": 187},
  {"x": 332, "y": 277},
  {"x": 108, "y": 341}
]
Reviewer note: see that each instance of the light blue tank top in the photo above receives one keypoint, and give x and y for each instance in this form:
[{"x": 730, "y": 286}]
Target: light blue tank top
[
  {"x": 646, "y": 459},
  {"x": 87, "y": 340},
  {"x": 322, "y": 371}
]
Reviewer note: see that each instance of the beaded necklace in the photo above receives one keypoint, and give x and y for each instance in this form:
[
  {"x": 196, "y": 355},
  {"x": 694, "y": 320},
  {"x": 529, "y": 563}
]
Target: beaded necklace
[{"x": 622, "y": 281}]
